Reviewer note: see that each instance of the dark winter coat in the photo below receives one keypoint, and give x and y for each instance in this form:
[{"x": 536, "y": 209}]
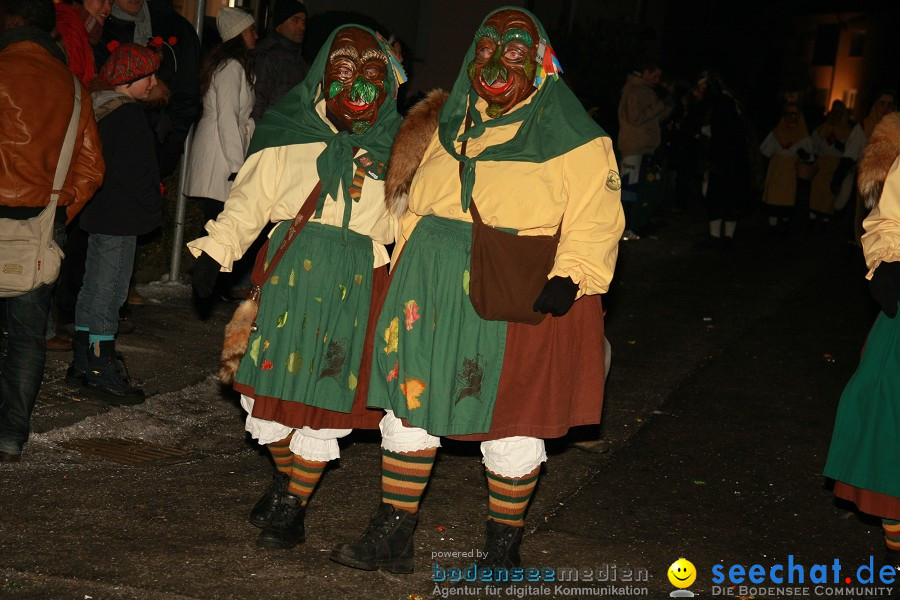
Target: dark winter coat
[
  {"x": 129, "y": 201},
  {"x": 179, "y": 70},
  {"x": 278, "y": 68}
]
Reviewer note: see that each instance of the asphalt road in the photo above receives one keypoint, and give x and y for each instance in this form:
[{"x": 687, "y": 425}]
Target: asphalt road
[{"x": 727, "y": 368}]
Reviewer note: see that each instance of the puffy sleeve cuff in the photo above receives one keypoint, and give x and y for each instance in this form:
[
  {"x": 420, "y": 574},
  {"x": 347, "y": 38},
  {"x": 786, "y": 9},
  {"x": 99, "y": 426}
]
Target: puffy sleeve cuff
[
  {"x": 593, "y": 221},
  {"x": 881, "y": 240},
  {"x": 247, "y": 210}
]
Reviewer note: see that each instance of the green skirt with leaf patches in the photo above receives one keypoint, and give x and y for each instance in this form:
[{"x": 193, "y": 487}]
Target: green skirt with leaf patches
[
  {"x": 436, "y": 363},
  {"x": 312, "y": 319}
]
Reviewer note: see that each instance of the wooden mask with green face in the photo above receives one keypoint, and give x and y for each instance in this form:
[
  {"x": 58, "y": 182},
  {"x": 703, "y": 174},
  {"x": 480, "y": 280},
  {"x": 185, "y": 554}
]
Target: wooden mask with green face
[{"x": 503, "y": 70}]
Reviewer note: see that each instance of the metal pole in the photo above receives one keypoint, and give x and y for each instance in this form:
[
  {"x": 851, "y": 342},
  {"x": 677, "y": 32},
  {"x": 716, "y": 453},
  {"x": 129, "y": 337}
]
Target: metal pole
[{"x": 181, "y": 202}]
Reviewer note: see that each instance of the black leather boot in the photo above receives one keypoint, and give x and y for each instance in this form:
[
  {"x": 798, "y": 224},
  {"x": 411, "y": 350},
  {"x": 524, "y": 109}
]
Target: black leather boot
[
  {"x": 501, "y": 548},
  {"x": 286, "y": 528},
  {"x": 107, "y": 377},
  {"x": 387, "y": 543},
  {"x": 80, "y": 348},
  {"x": 265, "y": 507}
]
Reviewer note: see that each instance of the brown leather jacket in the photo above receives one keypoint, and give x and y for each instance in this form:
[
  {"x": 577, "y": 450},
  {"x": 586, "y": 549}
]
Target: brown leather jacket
[{"x": 36, "y": 92}]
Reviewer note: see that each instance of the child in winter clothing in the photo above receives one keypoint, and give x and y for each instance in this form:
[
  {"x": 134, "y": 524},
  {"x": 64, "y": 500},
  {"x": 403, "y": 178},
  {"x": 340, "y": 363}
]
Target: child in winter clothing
[{"x": 128, "y": 204}]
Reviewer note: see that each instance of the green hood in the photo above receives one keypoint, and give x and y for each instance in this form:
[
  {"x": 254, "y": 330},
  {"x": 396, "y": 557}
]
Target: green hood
[
  {"x": 552, "y": 123},
  {"x": 294, "y": 120}
]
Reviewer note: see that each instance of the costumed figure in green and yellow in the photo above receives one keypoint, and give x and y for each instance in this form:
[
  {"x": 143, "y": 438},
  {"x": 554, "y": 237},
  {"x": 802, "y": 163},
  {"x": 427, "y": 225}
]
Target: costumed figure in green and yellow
[
  {"x": 304, "y": 375},
  {"x": 532, "y": 159},
  {"x": 864, "y": 457},
  {"x": 786, "y": 146},
  {"x": 828, "y": 143}
]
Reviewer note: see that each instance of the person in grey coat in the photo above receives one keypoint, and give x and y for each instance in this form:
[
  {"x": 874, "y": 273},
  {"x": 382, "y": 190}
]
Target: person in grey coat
[{"x": 279, "y": 65}]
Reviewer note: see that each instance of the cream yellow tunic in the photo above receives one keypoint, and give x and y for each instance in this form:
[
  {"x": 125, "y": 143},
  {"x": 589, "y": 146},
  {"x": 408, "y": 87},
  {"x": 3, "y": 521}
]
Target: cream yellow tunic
[
  {"x": 781, "y": 178},
  {"x": 881, "y": 242},
  {"x": 272, "y": 186},
  {"x": 581, "y": 188}
]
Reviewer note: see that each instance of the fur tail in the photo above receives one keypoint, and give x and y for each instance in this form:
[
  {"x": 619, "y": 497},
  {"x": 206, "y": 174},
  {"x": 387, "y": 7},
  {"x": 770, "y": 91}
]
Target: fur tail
[
  {"x": 409, "y": 147},
  {"x": 878, "y": 156},
  {"x": 237, "y": 334}
]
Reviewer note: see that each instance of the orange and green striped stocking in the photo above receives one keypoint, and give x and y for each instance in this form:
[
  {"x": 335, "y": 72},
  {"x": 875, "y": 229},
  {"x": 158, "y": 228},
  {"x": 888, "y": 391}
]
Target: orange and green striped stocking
[
  {"x": 282, "y": 455},
  {"x": 508, "y": 497},
  {"x": 404, "y": 476},
  {"x": 891, "y": 534},
  {"x": 305, "y": 475}
]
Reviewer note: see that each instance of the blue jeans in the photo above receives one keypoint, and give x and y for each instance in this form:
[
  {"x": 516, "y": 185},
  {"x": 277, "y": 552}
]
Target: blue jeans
[
  {"x": 107, "y": 273},
  {"x": 24, "y": 320}
]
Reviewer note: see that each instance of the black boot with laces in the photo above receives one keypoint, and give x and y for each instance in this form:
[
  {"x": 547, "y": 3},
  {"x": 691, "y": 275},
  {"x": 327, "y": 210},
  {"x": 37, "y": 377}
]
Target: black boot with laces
[
  {"x": 387, "y": 543},
  {"x": 285, "y": 530},
  {"x": 501, "y": 548},
  {"x": 80, "y": 348},
  {"x": 264, "y": 509},
  {"x": 107, "y": 377}
]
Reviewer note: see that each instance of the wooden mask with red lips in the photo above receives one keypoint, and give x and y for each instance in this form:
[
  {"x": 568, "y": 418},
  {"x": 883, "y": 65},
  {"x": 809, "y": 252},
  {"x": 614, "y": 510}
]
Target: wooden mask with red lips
[
  {"x": 503, "y": 70},
  {"x": 354, "y": 83}
]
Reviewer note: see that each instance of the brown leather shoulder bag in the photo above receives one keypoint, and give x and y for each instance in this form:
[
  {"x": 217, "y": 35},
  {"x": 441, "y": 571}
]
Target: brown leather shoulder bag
[{"x": 507, "y": 271}]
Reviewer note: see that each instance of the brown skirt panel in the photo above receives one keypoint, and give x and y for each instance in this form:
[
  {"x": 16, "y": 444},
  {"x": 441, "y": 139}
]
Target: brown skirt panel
[
  {"x": 869, "y": 502},
  {"x": 296, "y": 414},
  {"x": 553, "y": 375}
]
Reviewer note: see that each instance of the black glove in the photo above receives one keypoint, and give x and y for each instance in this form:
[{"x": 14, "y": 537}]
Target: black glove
[
  {"x": 885, "y": 287},
  {"x": 840, "y": 173},
  {"x": 557, "y": 297},
  {"x": 203, "y": 278},
  {"x": 232, "y": 176}
]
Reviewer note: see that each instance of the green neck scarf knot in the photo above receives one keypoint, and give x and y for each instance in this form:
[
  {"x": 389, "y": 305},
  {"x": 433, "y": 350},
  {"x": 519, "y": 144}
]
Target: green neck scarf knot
[
  {"x": 551, "y": 124},
  {"x": 295, "y": 120},
  {"x": 332, "y": 163}
]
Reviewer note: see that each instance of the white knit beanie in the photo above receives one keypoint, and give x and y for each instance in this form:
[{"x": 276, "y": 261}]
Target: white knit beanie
[{"x": 231, "y": 22}]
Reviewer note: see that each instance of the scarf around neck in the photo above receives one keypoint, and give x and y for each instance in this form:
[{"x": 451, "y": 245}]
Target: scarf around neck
[
  {"x": 552, "y": 123},
  {"x": 143, "y": 29},
  {"x": 294, "y": 120},
  {"x": 91, "y": 24},
  {"x": 106, "y": 101}
]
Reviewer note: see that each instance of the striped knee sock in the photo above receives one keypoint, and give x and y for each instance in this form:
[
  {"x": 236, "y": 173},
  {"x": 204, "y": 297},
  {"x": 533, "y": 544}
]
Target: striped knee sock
[
  {"x": 508, "y": 497},
  {"x": 305, "y": 474},
  {"x": 404, "y": 476},
  {"x": 282, "y": 455},
  {"x": 891, "y": 534}
]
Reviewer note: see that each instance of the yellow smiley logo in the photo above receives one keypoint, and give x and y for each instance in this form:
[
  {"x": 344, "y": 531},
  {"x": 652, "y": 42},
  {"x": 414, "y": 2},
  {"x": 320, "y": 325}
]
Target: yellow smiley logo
[{"x": 682, "y": 573}]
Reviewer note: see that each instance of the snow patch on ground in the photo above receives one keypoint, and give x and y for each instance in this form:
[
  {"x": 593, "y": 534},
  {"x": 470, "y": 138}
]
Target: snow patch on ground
[
  {"x": 198, "y": 418},
  {"x": 162, "y": 291}
]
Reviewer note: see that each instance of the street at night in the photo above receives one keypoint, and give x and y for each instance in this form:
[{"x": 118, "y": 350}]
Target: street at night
[{"x": 726, "y": 371}]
